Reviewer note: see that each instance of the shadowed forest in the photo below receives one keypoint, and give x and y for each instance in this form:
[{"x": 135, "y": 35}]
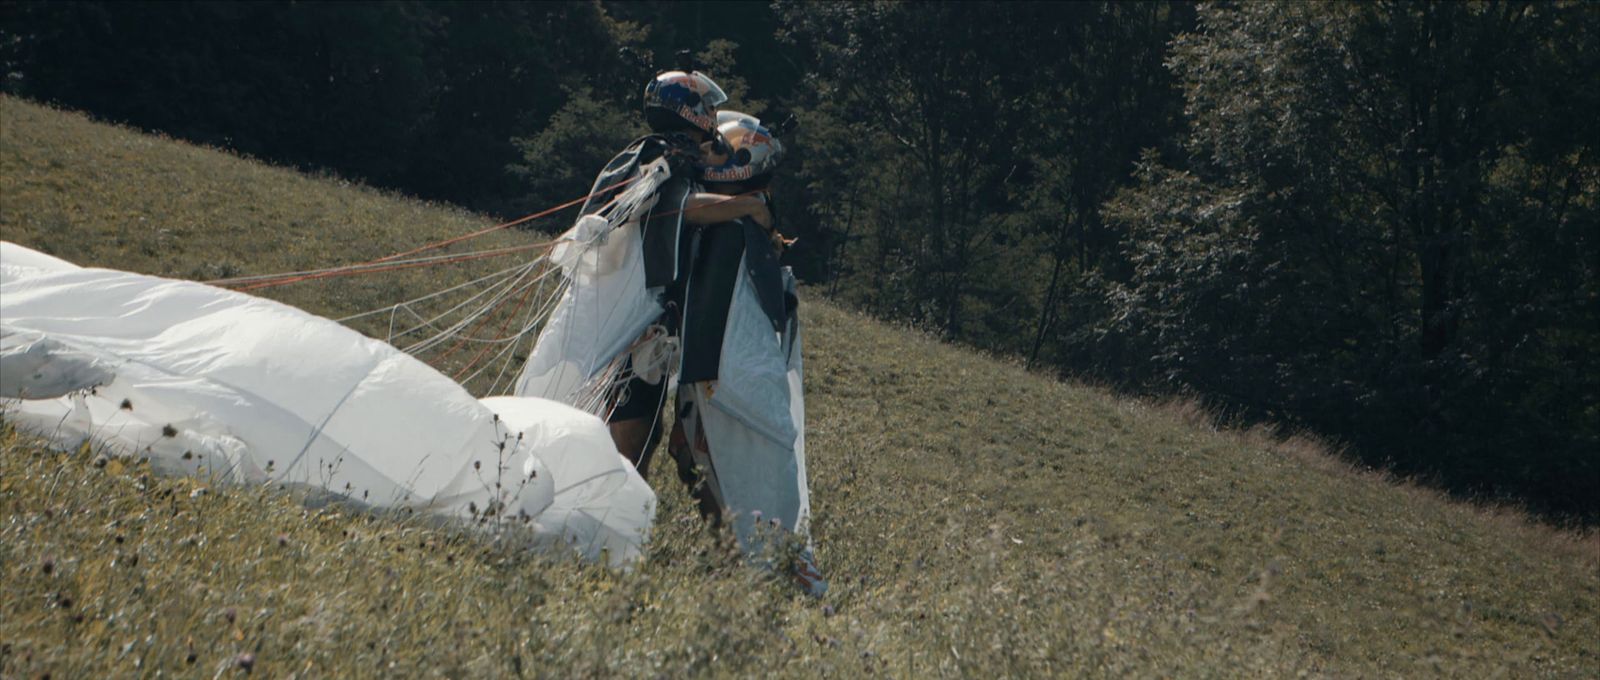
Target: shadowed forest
[{"x": 1376, "y": 222}]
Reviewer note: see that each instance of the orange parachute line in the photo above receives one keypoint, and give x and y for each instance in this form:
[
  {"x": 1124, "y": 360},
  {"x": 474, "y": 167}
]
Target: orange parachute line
[
  {"x": 388, "y": 263},
  {"x": 257, "y": 282}
]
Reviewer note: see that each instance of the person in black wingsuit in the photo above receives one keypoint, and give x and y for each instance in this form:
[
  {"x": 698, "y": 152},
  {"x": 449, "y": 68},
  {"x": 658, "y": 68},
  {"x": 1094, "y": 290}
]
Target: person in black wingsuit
[
  {"x": 681, "y": 109},
  {"x": 737, "y": 435},
  {"x": 695, "y": 248}
]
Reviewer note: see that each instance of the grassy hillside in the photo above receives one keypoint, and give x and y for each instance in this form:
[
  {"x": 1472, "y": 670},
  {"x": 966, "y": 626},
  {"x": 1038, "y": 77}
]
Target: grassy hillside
[{"x": 975, "y": 519}]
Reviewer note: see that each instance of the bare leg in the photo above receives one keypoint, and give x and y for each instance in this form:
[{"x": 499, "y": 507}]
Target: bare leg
[{"x": 636, "y": 440}]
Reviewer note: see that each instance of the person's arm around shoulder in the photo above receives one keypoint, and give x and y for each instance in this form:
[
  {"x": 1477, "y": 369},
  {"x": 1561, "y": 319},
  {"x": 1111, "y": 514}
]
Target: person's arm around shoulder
[{"x": 704, "y": 208}]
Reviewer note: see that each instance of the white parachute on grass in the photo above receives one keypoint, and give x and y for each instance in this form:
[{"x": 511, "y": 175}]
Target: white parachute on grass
[
  {"x": 204, "y": 380},
  {"x": 207, "y": 381}
]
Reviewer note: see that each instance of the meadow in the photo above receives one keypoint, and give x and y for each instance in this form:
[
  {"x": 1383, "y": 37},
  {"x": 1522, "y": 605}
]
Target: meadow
[{"x": 974, "y": 518}]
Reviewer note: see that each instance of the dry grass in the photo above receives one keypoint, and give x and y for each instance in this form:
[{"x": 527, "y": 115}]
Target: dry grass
[{"x": 975, "y": 519}]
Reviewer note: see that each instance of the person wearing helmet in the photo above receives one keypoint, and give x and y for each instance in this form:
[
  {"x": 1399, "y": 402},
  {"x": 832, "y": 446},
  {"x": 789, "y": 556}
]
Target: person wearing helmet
[
  {"x": 680, "y": 107},
  {"x": 737, "y": 438},
  {"x": 654, "y": 260},
  {"x": 752, "y": 153},
  {"x": 735, "y": 171}
]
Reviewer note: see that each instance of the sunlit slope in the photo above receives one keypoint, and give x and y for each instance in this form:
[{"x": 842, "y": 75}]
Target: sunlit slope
[
  {"x": 975, "y": 519},
  {"x": 104, "y": 196}
]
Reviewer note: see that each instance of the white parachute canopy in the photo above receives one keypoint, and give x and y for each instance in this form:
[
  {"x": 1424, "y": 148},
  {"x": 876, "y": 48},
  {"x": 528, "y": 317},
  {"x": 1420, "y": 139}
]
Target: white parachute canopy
[
  {"x": 605, "y": 305},
  {"x": 212, "y": 382}
]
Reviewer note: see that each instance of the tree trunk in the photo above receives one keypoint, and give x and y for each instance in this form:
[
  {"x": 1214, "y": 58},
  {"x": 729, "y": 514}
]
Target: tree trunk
[{"x": 1047, "y": 310}]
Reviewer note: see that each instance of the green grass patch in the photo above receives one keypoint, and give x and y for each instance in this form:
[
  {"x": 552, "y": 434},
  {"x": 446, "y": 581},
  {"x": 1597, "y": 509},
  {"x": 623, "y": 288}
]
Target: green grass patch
[{"x": 974, "y": 519}]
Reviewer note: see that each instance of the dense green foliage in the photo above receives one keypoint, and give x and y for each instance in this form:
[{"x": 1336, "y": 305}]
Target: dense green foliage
[
  {"x": 1385, "y": 225},
  {"x": 1375, "y": 220}
]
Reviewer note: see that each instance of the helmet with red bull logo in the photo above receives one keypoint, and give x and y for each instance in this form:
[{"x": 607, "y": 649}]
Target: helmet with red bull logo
[
  {"x": 677, "y": 99},
  {"x": 752, "y": 149}
]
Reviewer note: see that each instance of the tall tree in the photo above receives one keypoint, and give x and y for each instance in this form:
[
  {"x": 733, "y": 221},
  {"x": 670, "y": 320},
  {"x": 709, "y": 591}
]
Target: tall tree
[
  {"x": 1102, "y": 95},
  {"x": 952, "y": 112},
  {"x": 1370, "y": 192}
]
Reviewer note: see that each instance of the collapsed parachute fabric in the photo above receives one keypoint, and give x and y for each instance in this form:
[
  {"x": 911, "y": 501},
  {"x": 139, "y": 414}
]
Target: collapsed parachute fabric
[{"x": 211, "y": 382}]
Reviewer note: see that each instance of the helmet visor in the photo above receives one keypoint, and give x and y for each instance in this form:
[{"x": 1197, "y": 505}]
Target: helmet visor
[{"x": 713, "y": 96}]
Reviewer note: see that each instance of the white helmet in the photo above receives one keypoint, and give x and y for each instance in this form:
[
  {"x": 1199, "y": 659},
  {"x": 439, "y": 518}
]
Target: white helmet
[{"x": 752, "y": 149}]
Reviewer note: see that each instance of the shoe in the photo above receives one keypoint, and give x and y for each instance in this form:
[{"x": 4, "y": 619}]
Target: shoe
[{"x": 808, "y": 577}]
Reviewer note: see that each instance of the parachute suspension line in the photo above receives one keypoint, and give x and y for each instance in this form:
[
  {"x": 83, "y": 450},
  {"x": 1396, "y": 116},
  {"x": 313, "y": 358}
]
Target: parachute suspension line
[
  {"x": 269, "y": 280},
  {"x": 406, "y": 306},
  {"x": 485, "y": 314},
  {"x": 536, "y": 314},
  {"x": 455, "y": 328},
  {"x": 507, "y": 225},
  {"x": 503, "y": 327},
  {"x": 538, "y": 283},
  {"x": 384, "y": 264},
  {"x": 432, "y": 323},
  {"x": 498, "y": 294},
  {"x": 414, "y": 315},
  {"x": 545, "y": 303},
  {"x": 352, "y": 270},
  {"x": 508, "y": 283},
  {"x": 537, "y": 311},
  {"x": 504, "y": 358},
  {"x": 507, "y": 272},
  {"x": 394, "y": 313},
  {"x": 250, "y": 282},
  {"x": 592, "y": 396},
  {"x": 545, "y": 306}
]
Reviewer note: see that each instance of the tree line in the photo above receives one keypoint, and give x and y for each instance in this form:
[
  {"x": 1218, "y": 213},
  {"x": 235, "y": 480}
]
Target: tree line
[{"x": 1375, "y": 221}]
